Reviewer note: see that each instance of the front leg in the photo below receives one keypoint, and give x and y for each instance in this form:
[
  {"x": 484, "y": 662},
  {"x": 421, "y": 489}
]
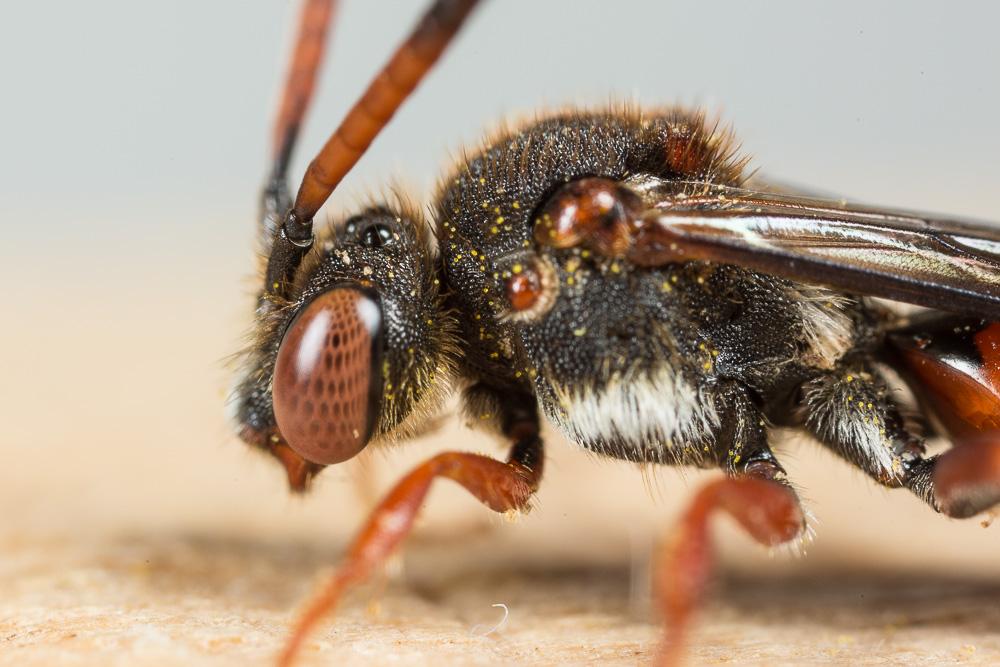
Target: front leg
[
  {"x": 755, "y": 493},
  {"x": 503, "y": 487}
]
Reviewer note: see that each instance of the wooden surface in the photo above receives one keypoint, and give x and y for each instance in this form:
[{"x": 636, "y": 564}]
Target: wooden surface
[{"x": 211, "y": 600}]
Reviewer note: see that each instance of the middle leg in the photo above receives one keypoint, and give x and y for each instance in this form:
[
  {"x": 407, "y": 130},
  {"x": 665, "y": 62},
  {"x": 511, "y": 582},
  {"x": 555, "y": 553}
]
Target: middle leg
[{"x": 755, "y": 493}]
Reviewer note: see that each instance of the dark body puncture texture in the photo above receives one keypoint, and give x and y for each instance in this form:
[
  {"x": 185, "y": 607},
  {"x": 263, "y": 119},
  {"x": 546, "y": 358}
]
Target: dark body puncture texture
[{"x": 684, "y": 363}]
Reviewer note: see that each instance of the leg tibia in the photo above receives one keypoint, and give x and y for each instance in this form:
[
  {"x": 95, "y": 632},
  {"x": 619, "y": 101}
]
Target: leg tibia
[{"x": 852, "y": 412}]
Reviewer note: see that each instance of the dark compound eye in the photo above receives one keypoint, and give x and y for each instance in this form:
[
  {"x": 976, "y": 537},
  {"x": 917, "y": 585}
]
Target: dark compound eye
[{"x": 376, "y": 235}]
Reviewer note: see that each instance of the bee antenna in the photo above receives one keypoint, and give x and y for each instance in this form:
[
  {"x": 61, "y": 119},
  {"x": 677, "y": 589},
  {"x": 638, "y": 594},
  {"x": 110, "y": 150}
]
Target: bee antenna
[
  {"x": 372, "y": 112},
  {"x": 300, "y": 81}
]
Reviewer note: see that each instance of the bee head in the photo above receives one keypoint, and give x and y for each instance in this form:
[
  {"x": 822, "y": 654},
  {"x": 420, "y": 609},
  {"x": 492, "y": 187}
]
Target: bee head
[{"x": 357, "y": 351}]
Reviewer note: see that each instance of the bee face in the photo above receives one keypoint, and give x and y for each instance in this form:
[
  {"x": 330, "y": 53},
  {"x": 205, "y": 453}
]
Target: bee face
[{"x": 362, "y": 345}]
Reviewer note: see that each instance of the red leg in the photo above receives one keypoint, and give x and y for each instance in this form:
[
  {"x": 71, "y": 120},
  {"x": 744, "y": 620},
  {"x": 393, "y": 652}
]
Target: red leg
[
  {"x": 766, "y": 509},
  {"x": 500, "y": 486},
  {"x": 967, "y": 477}
]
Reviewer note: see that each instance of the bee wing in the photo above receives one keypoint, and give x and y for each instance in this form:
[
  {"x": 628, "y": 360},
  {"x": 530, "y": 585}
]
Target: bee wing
[{"x": 920, "y": 259}]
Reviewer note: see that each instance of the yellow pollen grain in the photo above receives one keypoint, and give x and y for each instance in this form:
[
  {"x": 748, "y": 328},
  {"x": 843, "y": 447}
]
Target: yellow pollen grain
[
  {"x": 665, "y": 287},
  {"x": 849, "y": 378},
  {"x": 585, "y": 254},
  {"x": 499, "y": 219},
  {"x": 570, "y": 281},
  {"x": 494, "y": 230},
  {"x": 517, "y": 268},
  {"x": 496, "y": 209},
  {"x": 707, "y": 365},
  {"x": 579, "y": 332},
  {"x": 485, "y": 205},
  {"x": 615, "y": 268},
  {"x": 482, "y": 181},
  {"x": 516, "y": 205},
  {"x": 701, "y": 281}
]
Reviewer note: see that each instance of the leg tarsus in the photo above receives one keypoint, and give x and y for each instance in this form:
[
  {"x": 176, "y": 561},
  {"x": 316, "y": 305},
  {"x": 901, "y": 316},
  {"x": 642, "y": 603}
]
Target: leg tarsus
[
  {"x": 767, "y": 509},
  {"x": 501, "y": 486}
]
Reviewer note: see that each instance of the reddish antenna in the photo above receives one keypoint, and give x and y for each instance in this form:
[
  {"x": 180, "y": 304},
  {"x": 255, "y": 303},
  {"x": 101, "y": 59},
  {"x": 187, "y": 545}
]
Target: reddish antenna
[
  {"x": 372, "y": 112},
  {"x": 300, "y": 80}
]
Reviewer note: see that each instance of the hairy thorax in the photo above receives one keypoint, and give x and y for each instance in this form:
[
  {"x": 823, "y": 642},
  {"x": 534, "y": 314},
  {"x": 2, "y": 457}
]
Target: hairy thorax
[{"x": 624, "y": 360}]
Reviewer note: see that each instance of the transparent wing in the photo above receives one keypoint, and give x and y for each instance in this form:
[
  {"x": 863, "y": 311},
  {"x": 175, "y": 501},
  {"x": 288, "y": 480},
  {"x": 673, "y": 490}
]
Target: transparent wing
[{"x": 921, "y": 259}]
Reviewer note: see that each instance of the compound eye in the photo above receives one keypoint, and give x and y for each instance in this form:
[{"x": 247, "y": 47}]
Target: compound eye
[{"x": 326, "y": 379}]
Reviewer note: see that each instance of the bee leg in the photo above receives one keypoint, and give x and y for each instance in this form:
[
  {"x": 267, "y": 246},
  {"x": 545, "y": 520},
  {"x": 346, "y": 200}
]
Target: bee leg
[
  {"x": 851, "y": 411},
  {"x": 501, "y": 486},
  {"x": 755, "y": 493},
  {"x": 966, "y": 479}
]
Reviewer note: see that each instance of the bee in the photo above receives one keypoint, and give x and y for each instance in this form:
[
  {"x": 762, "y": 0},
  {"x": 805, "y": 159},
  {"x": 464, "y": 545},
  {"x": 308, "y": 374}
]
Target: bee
[{"x": 618, "y": 274}]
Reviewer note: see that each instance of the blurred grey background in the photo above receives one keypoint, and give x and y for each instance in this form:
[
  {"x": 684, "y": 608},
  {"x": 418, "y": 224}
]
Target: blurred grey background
[{"x": 129, "y": 121}]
